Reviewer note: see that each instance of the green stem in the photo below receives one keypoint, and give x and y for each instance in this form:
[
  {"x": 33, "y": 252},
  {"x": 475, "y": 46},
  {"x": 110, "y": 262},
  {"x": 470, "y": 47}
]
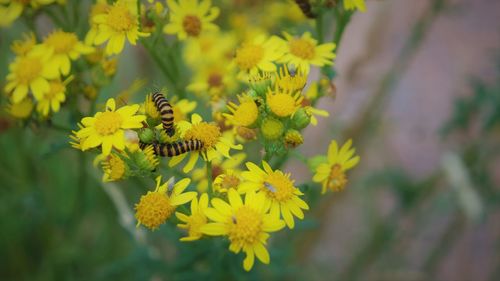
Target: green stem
[
  {"x": 319, "y": 27},
  {"x": 209, "y": 176}
]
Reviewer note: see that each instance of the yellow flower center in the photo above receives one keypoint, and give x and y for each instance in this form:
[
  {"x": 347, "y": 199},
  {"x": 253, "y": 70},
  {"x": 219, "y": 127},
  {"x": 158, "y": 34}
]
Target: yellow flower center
[
  {"x": 115, "y": 167},
  {"x": 272, "y": 129},
  {"x": 192, "y": 25},
  {"x": 245, "y": 227},
  {"x": 150, "y": 108},
  {"x": 120, "y": 18},
  {"x": 56, "y": 87},
  {"x": 248, "y": 56},
  {"x": 302, "y": 48},
  {"x": 62, "y": 42},
  {"x": 28, "y": 69},
  {"x": 214, "y": 80},
  {"x": 153, "y": 209},
  {"x": 337, "y": 178},
  {"x": 293, "y": 138},
  {"x": 246, "y": 113},
  {"x": 107, "y": 123},
  {"x": 229, "y": 181},
  {"x": 278, "y": 186},
  {"x": 281, "y": 104},
  {"x": 195, "y": 222},
  {"x": 208, "y": 133}
]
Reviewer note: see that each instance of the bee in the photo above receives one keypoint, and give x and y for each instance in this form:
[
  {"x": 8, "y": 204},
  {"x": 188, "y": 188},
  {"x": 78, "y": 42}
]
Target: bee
[
  {"x": 174, "y": 149},
  {"x": 305, "y": 6},
  {"x": 166, "y": 113}
]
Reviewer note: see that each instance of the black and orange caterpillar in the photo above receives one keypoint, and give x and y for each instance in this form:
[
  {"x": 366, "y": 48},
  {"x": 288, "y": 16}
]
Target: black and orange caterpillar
[
  {"x": 305, "y": 6},
  {"x": 174, "y": 149},
  {"x": 166, "y": 113}
]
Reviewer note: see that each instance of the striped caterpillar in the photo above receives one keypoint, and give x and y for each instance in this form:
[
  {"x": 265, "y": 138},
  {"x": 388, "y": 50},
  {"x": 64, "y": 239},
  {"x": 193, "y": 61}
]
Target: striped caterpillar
[
  {"x": 305, "y": 6},
  {"x": 174, "y": 149},
  {"x": 166, "y": 113}
]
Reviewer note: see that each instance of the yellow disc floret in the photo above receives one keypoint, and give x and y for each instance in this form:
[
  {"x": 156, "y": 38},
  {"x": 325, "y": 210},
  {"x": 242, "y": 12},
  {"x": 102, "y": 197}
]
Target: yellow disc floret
[
  {"x": 248, "y": 56},
  {"x": 278, "y": 186},
  {"x": 245, "y": 227},
  {"x": 153, "y": 209},
  {"x": 208, "y": 133},
  {"x": 271, "y": 128},
  {"x": 108, "y": 123}
]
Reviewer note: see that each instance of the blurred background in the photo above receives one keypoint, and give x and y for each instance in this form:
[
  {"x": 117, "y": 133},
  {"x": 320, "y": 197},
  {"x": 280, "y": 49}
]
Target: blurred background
[{"x": 418, "y": 90}]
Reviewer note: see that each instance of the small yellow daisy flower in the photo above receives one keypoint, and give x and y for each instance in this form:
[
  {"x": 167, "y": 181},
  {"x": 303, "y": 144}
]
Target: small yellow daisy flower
[
  {"x": 119, "y": 22},
  {"x": 62, "y": 47},
  {"x": 247, "y": 225},
  {"x": 114, "y": 168},
  {"x": 220, "y": 167},
  {"x": 107, "y": 128},
  {"x": 24, "y": 46},
  {"x": 208, "y": 49},
  {"x": 215, "y": 79},
  {"x": 355, "y": 4},
  {"x": 22, "y": 109},
  {"x": 157, "y": 206},
  {"x": 291, "y": 81},
  {"x": 283, "y": 103},
  {"x": 245, "y": 114},
  {"x": 260, "y": 53},
  {"x": 214, "y": 142},
  {"x": 100, "y": 7},
  {"x": 195, "y": 220},
  {"x": 191, "y": 18},
  {"x": 29, "y": 72},
  {"x": 51, "y": 101},
  {"x": 304, "y": 51},
  {"x": 279, "y": 190},
  {"x": 332, "y": 174}
]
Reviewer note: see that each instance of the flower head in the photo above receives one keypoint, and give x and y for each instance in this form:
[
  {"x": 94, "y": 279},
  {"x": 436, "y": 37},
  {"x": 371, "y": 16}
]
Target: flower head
[
  {"x": 157, "y": 206},
  {"x": 245, "y": 114},
  {"x": 194, "y": 222},
  {"x": 190, "y": 18},
  {"x": 107, "y": 128},
  {"x": 119, "y": 21},
  {"x": 15, "y": 8},
  {"x": 305, "y": 51},
  {"x": 290, "y": 80},
  {"x": 22, "y": 109},
  {"x": 332, "y": 173},
  {"x": 279, "y": 190},
  {"x": 283, "y": 103},
  {"x": 114, "y": 168},
  {"x": 22, "y": 47},
  {"x": 258, "y": 54},
  {"x": 51, "y": 100},
  {"x": 247, "y": 225}
]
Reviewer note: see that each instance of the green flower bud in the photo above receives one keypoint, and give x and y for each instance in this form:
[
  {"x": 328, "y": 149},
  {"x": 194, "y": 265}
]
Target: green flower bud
[
  {"x": 146, "y": 135},
  {"x": 301, "y": 119},
  {"x": 272, "y": 129}
]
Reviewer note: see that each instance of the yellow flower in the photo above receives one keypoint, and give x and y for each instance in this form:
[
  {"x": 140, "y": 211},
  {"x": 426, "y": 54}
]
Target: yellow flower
[
  {"x": 214, "y": 142},
  {"x": 54, "y": 97},
  {"x": 208, "y": 49},
  {"x": 120, "y": 21},
  {"x": 215, "y": 79},
  {"x": 157, "y": 206},
  {"x": 182, "y": 108},
  {"x": 332, "y": 174},
  {"x": 149, "y": 108},
  {"x": 311, "y": 111},
  {"x": 107, "y": 128},
  {"x": 290, "y": 80},
  {"x": 258, "y": 54},
  {"x": 100, "y": 7},
  {"x": 114, "y": 168},
  {"x": 220, "y": 167},
  {"x": 22, "y": 47},
  {"x": 271, "y": 128},
  {"x": 355, "y": 4},
  {"x": 196, "y": 220},
  {"x": 247, "y": 225},
  {"x": 191, "y": 18},
  {"x": 293, "y": 138},
  {"x": 62, "y": 47},
  {"x": 280, "y": 192},
  {"x": 283, "y": 103},
  {"x": 29, "y": 72},
  {"x": 305, "y": 51},
  {"x": 245, "y": 114},
  {"x": 22, "y": 109},
  {"x": 14, "y": 9}
]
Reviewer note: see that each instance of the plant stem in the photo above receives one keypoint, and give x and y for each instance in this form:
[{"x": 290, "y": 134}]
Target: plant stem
[{"x": 209, "y": 175}]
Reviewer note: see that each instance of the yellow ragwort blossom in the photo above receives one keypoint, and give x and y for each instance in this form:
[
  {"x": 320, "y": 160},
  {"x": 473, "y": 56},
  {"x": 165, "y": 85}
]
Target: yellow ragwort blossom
[
  {"x": 214, "y": 142},
  {"x": 119, "y": 22},
  {"x": 157, "y": 206},
  {"x": 29, "y": 72},
  {"x": 245, "y": 114},
  {"x": 108, "y": 128},
  {"x": 247, "y": 225},
  {"x": 331, "y": 174},
  {"x": 216, "y": 79},
  {"x": 221, "y": 166},
  {"x": 189, "y": 18},
  {"x": 22, "y": 109},
  {"x": 283, "y": 103},
  {"x": 259, "y": 53},
  {"x": 24, "y": 46},
  {"x": 355, "y": 4},
  {"x": 304, "y": 51},
  {"x": 290, "y": 80},
  {"x": 114, "y": 168},
  {"x": 279, "y": 190},
  {"x": 195, "y": 220},
  {"x": 100, "y": 7},
  {"x": 62, "y": 47},
  {"x": 51, "y": 100}
]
